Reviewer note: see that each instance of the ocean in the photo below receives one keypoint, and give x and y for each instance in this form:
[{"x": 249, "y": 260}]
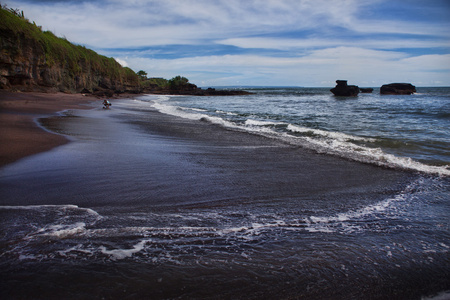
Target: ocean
[
  {"x": 409, "y": 132},
  {"x": 288, "y": 193}
]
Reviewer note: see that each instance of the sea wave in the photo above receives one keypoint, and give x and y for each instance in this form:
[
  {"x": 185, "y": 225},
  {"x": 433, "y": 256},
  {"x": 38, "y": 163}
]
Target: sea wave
[
  {"x": 251, "y": 122},
  {"x": 116, "y": 254},
  {"x": 149, "y": 235},
  {"x": 63, "y": 208},
  {"x": 322, "y": 141},
  {"x": 327, "y": 134},
  {"x": 61, "y": 231},
  {"x": 357, "y": 219}
]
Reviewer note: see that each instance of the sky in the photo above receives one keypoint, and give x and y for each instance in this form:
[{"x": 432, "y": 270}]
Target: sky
[{"x": 309, "y": 43}]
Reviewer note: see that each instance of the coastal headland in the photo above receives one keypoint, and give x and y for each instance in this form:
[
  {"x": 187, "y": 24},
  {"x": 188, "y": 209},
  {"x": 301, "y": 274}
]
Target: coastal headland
[
  {"x": 34, "y": 60},
  {"x": 41, "y": 74}
]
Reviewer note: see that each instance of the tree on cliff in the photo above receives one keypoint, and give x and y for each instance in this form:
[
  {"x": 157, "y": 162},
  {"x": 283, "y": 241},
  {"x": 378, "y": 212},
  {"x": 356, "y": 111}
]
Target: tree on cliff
[
  {"x": 142, "y": 74},
  {"x": 179, "y": 83}
]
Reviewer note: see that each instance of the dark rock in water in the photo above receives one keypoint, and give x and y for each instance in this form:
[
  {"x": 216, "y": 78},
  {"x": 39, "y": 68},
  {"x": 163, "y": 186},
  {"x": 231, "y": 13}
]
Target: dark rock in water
[
  {"x": 342, "y": 89},
  {"x": 397, "y": 89},
  {"x": 366, "y": 90}
]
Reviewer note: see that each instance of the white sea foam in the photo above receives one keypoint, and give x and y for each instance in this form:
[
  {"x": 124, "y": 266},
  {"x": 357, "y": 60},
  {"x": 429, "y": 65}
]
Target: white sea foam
[
  {"x": 75, "y": 251},
  {"x": 441, "y": 296},
  {"x": 226, "y": 113},
  {"x": 62, "y": 231},
  {"x": 218, "y": 121},
  {"x": 182, "y": 113},
  {"x": 340, "y": 147},
  {"x": 118, "y": 254},
  {"x": 343, "y": 222},
  {"x": 328, "y": 134},
  {"x": 67, "y": 221},
  {"x": 27, "y": 257},
  {"x": 52, "y": 207},
  {"x": 193, "y": 109},
  {"x": 173, "y": 110},
  {"x": 250, "y": 122},
  {"x": 172, "y": 238}
]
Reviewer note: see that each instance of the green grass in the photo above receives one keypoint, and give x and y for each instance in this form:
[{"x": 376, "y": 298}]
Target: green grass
[
  {"x": 76, "y": 59},
  {"x": 155, "y": 81}
]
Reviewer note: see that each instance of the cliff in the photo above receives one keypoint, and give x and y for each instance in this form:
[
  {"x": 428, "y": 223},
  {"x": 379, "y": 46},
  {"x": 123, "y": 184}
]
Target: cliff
[{"x": 36, "y": 60}]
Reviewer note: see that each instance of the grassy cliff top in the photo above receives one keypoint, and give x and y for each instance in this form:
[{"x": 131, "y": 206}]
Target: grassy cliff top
[{"x": 77, "y": 59}]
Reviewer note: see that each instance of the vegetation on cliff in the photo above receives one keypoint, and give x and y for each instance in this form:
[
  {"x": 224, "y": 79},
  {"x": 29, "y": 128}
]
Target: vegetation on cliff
[{"x": 33, "y": 59}]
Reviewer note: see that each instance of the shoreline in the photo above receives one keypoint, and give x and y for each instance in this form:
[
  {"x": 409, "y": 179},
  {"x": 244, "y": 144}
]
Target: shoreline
[
  {"x": 160, "y": 189},
  {"x": 197, "y": 163},
  {"x": 19, "y": 112},
  {"x": 19, "y": 130}
]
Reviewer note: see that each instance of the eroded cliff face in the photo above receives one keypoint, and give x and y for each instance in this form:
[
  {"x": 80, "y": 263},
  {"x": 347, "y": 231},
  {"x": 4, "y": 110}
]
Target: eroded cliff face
[
  {"x": 21, "y": 61},
  {"x": 25, "y": 65}
]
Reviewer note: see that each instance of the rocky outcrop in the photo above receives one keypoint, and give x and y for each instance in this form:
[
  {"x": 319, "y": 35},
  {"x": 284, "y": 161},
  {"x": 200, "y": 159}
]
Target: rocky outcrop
[
  {"x": 342, "y": 89},
  {"x": 366, "y": 90},
  {"x": 397, "y": 89}
]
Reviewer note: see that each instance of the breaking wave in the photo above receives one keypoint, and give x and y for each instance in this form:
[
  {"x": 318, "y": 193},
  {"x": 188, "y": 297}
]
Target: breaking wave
[
  {"x": 327, "y": 142},
  {"x": 75, "y": 232}
]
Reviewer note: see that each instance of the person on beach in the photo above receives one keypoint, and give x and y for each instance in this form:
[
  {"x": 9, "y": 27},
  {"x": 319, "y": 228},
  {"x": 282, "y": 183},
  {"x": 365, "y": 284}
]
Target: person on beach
[{"x": 106, "y": 104}]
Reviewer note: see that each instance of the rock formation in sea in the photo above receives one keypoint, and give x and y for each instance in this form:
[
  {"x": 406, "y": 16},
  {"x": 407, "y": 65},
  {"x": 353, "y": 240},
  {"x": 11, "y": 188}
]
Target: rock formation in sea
[
  {"x": 397, "y": 89},
  {"x": 342, "y": 89},
  {"x": 366, "y": 90}
]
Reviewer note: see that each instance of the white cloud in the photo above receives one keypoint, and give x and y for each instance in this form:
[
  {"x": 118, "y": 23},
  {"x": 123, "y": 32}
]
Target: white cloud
[
  {"x": 314, "y": 36},
  {"x": 399, "y": 27},
  {"x": 142, "y": 23},
  {"x": 428, "y": 63},
  {"x": 319, "y": 68},
  {"x": 293, "y": 44},
  {"x": 122, "y": 62}
]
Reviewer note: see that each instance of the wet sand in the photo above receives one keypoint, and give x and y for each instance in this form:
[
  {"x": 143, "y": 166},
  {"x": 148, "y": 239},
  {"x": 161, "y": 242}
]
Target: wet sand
[
  {"x": 155, "y": 178},
  {"x": 176, "y": 161},
  {"x": 20, "y": 136}
]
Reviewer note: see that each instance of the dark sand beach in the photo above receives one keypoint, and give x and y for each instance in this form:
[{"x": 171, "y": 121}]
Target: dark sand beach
[
  {"x": 257, "y": 167},
  {"x": 145, "y": 205},
  {"x": 20, "y": 136}
]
